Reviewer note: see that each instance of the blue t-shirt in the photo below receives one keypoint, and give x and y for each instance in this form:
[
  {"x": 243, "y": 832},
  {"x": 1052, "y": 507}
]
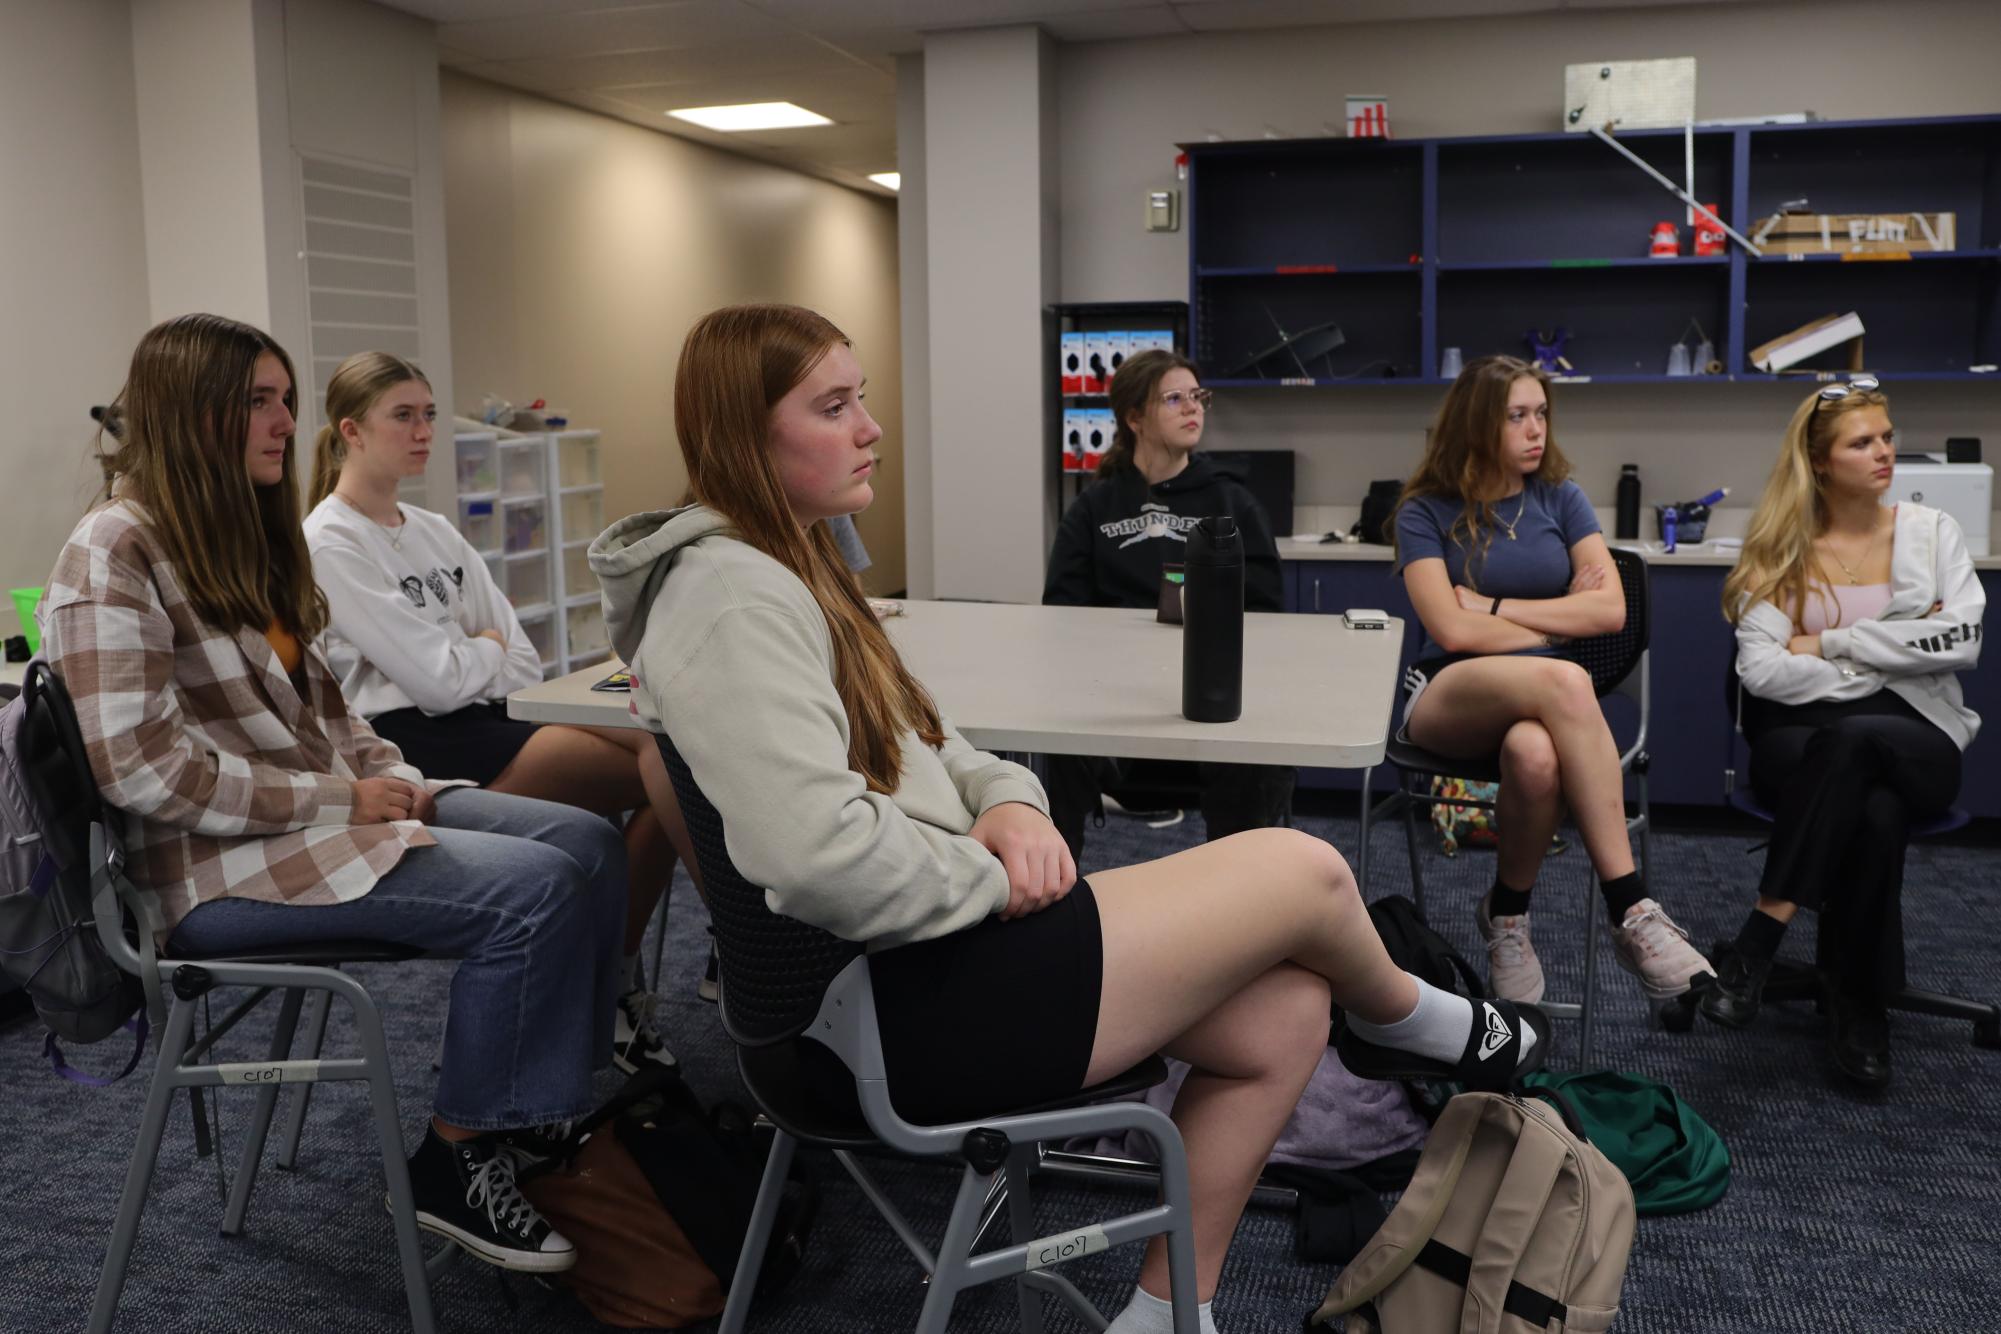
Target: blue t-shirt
[{"x": 1535, "y": 563}]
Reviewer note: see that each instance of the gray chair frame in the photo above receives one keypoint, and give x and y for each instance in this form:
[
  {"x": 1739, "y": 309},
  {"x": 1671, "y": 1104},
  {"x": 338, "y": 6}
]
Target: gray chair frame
[
  {"x": 1416, "y": 766},
  {"x": 994, "y": 1150},
  {"x": 174, "y": 988}
]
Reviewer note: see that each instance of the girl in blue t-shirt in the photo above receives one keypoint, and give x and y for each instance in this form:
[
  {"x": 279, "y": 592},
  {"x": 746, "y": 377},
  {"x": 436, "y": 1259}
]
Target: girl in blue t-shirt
[{"x": 1505, "y": 562}]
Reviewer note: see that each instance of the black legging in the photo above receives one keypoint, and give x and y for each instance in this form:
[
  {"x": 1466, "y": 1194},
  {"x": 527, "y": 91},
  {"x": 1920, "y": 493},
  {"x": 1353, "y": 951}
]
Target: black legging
[
  {"x": 1235, "y": 797},
  {"x": 1845, "y": 781}
]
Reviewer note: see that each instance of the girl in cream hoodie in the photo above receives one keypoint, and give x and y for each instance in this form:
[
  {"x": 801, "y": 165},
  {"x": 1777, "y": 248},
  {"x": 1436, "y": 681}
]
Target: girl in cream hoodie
[{"x": 1001, "y": 978}]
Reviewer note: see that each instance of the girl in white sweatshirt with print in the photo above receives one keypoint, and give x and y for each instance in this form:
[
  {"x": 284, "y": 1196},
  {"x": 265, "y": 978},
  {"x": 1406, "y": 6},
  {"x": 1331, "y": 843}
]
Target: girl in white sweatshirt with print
[
  {"x": 1852, "y": 619},
  {"x": 428, "y": 650}
]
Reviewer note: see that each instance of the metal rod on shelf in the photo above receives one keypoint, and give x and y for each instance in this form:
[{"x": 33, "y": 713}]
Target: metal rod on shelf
[{"x": 1599, "y": 132}]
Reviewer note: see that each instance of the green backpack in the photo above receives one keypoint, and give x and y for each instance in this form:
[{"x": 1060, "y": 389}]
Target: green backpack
[{"x": 1675, "y": 1162}]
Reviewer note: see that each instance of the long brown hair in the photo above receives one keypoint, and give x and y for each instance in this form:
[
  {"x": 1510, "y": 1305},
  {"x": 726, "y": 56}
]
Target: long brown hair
[
  {"x": 1131, "y": 394},
  {"x": 1462, "y": 455},
  {"x": 1778, "y": 564},
  {"x": 356, "y": 384},
  {"x": 737, "y": 364},
  {"x": 183, "y": 424}
]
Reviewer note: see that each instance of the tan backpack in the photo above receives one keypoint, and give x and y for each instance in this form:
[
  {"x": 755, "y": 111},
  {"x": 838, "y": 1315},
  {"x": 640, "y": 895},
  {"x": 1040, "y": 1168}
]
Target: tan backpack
[{"x": 1512, "y": 1224}]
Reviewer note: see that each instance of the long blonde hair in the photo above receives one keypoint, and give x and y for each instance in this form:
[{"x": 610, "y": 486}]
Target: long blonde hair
[
  {"x": 1462, "y": 455},
  {"x": 1778, "y": 564},
  {"x": 174, "y": 443},
  {"x": 356, "y": 384},
  {"x": 737, "y": 364}
]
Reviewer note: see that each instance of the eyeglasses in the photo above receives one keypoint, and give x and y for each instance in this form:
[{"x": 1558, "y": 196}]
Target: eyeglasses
[
  {"x": 1834, "y": 393},
  {"x": 1176, "y": 399}
]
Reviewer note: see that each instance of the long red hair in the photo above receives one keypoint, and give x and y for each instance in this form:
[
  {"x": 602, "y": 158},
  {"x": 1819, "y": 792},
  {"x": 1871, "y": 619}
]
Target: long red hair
[{"x": 736, "y": 365}]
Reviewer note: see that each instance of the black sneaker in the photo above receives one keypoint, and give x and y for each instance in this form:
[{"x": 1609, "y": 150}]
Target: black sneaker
[
  {"x": 710, "y": 986},
  {"x": 635, "y": 1042},
  {"x": 465, "y": 1192},
  {"x": 536, "y": 1145}
]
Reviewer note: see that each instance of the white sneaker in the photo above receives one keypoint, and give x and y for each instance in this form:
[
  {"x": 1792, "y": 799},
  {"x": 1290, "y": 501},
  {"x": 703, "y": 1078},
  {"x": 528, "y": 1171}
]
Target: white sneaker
[
  {"x": 1513, "y": 971},
  {"x": 1652, "y": 948},
  {"x": 635, "y": 1042}
]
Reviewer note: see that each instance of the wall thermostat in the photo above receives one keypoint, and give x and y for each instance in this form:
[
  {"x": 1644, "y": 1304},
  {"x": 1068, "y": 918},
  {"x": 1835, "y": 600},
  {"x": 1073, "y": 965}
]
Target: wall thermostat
[{"x": 1163, "y": 210}]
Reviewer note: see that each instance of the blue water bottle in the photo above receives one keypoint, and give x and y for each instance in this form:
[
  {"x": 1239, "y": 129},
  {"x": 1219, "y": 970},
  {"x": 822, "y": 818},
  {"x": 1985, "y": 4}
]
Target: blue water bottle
[{"x": 1669, "y": 516}]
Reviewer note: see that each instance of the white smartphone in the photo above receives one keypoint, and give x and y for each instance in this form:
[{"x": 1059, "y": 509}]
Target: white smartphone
[{"x": 1365, "y": 618}]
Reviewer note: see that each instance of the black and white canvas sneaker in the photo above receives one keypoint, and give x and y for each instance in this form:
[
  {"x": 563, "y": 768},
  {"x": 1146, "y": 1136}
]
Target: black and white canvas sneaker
[
  {"x": 635, "y": 1042},
  {"x": 465, "y": 1192}
]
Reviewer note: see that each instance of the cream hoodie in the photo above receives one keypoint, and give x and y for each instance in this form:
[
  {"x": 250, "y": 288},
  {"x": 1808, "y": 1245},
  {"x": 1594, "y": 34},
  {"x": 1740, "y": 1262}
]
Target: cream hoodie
[
  {"x": 1911, "y": 648},
  {"x": 732, "y": 657}
]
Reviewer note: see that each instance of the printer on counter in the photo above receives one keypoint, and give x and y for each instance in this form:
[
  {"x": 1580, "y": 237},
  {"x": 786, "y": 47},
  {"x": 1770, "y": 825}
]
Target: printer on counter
[{"x": 1963, "y": 490}]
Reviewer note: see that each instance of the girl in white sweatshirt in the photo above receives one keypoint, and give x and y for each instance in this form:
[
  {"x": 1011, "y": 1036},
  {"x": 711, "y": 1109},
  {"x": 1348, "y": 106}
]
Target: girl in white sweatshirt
[
  {"x": 1852, "y": 620},
  {"x": 427, "y": 650},
  {"x": 1000, "y": 977}
]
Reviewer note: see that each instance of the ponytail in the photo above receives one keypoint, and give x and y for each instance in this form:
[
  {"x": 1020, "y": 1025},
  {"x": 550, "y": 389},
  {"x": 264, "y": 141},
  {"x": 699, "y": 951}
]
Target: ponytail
[{"x": 329, "y": 452}]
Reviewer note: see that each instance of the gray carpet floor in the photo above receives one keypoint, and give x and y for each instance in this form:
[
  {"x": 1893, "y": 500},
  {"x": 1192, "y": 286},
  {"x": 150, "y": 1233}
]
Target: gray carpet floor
[{"x": 1844, "y": 1213}]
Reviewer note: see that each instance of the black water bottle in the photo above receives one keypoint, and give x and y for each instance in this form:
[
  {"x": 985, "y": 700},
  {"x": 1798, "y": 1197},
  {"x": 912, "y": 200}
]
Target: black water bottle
[
  {"x": 1212, "y": 623},
  {"x": 1626, "y": 520}
]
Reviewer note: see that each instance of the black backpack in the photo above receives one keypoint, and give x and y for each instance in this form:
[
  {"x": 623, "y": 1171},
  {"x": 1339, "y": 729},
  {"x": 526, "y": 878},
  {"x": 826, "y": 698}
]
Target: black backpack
[
  {"x": 1377, "y": 508},
  {"x": 49, "y": 945}
]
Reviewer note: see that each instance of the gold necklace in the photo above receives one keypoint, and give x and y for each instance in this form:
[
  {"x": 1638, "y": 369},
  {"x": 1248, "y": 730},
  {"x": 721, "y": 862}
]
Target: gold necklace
[
  {"x": 1846, "y": 569},
  {"x": 1509, "y": 524}
]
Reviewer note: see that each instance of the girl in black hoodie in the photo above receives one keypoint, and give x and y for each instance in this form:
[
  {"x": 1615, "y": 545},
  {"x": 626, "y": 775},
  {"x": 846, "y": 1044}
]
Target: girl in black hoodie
[{"x": 1151, "y": 489}]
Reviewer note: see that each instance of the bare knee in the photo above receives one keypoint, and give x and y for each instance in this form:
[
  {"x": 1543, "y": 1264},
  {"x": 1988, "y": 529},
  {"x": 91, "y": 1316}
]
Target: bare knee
[
  {"x": 1529, "y": 763},
  {"x": 1567, "y": 691}
]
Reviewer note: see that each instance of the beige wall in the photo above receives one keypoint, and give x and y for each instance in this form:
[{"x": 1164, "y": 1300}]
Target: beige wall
[
  {"x": 1125, "y": 104},
  {"x": 582, "y": 248},
  {"x": 73, "y": 281}
]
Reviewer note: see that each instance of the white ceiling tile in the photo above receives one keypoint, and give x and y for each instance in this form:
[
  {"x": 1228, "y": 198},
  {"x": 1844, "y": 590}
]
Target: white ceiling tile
[
  {"x": 671, "y": 65},
  {"x": 684, "y": 23},
  {"x": 1105, "y": 25}
]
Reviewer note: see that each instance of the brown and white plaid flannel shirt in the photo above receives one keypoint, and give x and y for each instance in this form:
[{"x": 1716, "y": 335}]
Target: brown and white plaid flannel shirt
[{"x": 232, "y": 785}]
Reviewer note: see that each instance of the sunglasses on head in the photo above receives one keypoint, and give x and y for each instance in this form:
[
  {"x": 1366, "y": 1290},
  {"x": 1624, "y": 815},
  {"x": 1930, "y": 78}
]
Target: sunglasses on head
[{"x": 1834, "y": 393}]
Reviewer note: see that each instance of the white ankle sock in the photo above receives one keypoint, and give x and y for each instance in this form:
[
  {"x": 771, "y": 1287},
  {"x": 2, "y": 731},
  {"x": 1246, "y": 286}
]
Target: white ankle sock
[
  {"x": 1148, "y": 1314},
  {"x": 632, "y": 982},
  {"x": 1436, "y": 1028}
]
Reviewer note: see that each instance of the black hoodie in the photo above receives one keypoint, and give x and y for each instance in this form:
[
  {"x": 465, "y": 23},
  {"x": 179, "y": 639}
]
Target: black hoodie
[{"x": 1118, "y": 533}]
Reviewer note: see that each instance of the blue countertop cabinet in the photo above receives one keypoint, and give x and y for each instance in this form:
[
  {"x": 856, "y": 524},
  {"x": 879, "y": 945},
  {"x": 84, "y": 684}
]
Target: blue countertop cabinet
[{"x": 1692, "y": 738}]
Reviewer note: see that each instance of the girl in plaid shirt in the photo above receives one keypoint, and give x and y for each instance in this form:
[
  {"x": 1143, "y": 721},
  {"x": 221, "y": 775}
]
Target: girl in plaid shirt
[{"x": 258, "y": 811}]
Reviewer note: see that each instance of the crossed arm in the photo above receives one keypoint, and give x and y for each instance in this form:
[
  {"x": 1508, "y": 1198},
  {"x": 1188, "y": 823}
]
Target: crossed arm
[{"x": 1460, "y": 620}]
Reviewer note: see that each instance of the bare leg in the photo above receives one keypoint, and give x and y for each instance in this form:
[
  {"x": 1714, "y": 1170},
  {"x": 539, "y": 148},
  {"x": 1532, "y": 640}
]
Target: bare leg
[
  {"x": 601, "y": 769},
  {"x": 1472, "y": 706},
  {"x": 1530, "y": 805},
  {"x": 1780, "y": 910},
  {"x": 1225, "y": 956}
]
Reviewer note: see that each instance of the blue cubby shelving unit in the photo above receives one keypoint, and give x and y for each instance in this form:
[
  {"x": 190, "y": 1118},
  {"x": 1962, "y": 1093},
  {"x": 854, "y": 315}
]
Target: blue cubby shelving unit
[{"x": 1415, "y": 245}]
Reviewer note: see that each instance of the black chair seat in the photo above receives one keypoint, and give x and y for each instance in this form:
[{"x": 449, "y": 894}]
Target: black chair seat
[
  {"x": 810, "y": 1095},
  {"x": 1416, "y": 759}
]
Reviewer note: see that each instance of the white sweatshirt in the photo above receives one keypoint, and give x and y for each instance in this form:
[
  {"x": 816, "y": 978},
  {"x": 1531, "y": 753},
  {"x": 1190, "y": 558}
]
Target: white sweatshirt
[
  {"x": 1910, "y": 648},
  {"x": 407, "y": 606},
  {"x": 732, "y": 657}
]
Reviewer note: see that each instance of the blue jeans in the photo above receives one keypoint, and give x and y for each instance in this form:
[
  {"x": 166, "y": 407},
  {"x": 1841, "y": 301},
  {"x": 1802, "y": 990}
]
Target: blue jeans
[{"x": 531, "y": 895}]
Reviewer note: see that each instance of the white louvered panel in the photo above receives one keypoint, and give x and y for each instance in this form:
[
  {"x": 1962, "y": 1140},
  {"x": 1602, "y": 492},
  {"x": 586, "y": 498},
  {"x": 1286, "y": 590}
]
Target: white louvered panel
[{"x": 361, "y": 271}]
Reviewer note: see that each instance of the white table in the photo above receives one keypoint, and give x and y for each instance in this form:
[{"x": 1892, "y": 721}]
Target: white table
[{"x": 1100, "y": 681}]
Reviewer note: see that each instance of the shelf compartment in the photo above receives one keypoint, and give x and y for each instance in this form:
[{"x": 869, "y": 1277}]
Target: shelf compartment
[
  {"x": 1361, "y": 200},
  {"x": 1910, "y": 167},
  {"x": 478, "y": 523},
  {"x": 1379, "y": 313},
  {"x": 523, "y": 468},
  {"x": 578, "y": 577},
  {"x": 583, "y": 514},
  {"x": 577, "y": 459},
  {"x": 1622, "y": 321},
  {"x": 525, "y": 526},
  {"x": 1526, "y": 200},
  {"x": 528, "y": 580},
  {"x": 474, "y": 456},
  {"x": 541, "y": 632},
  {"x": 1935, "y": 319}
]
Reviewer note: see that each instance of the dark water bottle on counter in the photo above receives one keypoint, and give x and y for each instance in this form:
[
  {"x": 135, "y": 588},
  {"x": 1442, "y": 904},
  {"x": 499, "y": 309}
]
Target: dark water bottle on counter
[
  {"x": 1212, "y": 626},
  {"x": 1626, "y": 520}
]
